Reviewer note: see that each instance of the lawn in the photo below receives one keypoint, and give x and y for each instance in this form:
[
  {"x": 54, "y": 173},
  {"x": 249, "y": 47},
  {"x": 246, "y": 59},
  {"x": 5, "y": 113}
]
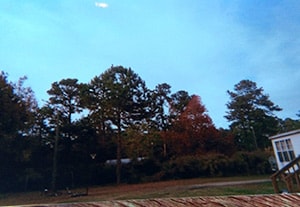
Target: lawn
[{"x": 166, "y": 189}]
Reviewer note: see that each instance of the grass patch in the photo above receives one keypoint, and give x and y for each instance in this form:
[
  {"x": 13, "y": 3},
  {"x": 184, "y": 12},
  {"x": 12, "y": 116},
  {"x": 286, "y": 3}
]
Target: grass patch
[{"x": 248, "y": 189}]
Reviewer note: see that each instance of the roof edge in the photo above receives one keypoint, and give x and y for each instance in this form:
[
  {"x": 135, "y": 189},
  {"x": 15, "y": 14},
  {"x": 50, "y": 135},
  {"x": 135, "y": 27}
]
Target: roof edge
[{"x": 297, "y": 131}]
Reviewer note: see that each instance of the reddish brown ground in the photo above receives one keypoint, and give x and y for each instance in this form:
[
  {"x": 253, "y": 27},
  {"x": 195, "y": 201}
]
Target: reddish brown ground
[{"x": 121, "y": 192}]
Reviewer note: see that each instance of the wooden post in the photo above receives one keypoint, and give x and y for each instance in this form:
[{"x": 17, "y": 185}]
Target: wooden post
[
  {"x": 289, "y": 184},
  {"x": 275, "y": 184},
  {"x": 297, "y": 180}
]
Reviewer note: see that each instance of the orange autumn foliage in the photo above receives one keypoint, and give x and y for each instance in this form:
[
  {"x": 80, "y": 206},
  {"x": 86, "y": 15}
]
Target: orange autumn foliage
[{"x": 192, "y": 129}]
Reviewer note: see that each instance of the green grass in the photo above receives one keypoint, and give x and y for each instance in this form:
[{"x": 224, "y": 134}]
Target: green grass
[{"x": 249, "y": 189}]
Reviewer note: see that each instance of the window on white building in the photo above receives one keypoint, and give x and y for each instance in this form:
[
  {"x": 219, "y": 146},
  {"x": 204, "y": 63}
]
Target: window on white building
[{"x": 285, "y": 150}]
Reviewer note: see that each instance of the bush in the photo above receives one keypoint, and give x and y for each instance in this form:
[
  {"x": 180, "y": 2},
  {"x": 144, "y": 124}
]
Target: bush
[
  {"x": 105, "y": 174},
  {"x": 216, "y": 165},
  {"x": 184, "y": 167},
  {"x": 141, "y": 171},
  {"x": 257, "y": 162}
]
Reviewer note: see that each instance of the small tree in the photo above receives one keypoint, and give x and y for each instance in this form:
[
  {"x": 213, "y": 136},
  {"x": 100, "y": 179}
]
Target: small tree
[
  {"x": 192, "y": 129},
  {"x": 250, "y": 112},
  {"x": 63, "y": 103}
]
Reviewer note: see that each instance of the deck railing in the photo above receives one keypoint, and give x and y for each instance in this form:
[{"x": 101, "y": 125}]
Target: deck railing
[{"x": 289, "y": 174}]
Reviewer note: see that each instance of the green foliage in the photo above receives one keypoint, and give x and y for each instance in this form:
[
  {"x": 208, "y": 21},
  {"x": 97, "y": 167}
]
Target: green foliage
[
  {"x": 17, "y": 110},
  {"x": 142, "y": 171},
  {"x": 215, "y": 165},
  {"x": 257, "y": 161},
  {"x": 289, "y": 124},
  {"x": 184, "y": 167},
  {"x": 251, "y": 114},
  {"x": 160, "y": 101},
  {"x": 17, "y": 105},
  {"x": 123, "y": 118},
  {"x": 125, "y": 102}
]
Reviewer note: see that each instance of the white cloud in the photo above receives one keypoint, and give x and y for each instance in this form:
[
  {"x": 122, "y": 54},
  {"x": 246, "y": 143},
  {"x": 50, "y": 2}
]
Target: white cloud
[{"x": 101, "y": 5}]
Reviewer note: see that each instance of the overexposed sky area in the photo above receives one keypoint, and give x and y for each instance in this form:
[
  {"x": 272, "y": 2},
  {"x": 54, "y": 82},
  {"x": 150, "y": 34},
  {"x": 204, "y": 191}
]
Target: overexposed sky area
[
  {"x": 203, "y": 47},
  {"x": 101, "y": 4}
]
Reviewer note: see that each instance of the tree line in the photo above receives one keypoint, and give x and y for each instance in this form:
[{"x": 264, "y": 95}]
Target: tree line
[{"x": 83, "y": 133}]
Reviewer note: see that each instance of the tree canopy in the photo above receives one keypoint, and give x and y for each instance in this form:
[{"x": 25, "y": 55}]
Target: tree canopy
[
  {"x": 85, "y": 131},
  {"x": 250, "y": 112},
  {"x": 125, "y": 102}
]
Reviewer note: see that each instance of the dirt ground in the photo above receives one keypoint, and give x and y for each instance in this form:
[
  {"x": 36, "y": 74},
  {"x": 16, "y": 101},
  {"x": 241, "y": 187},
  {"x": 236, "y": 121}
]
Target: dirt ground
[{"x": 125, "y": 191}]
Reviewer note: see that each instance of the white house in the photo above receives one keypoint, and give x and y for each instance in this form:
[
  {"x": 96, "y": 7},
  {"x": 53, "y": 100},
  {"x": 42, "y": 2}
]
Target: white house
[{"x": 286, "y": 147}]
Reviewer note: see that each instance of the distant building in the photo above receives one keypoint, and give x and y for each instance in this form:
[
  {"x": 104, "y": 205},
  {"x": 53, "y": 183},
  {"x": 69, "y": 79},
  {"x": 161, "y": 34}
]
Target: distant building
[
  {"x": 123, "y": 161},
  {"x": 286, "y": 147}
]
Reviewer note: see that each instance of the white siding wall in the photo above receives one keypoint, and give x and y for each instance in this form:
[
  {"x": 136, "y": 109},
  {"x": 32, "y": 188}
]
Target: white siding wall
[{"x": 296, "y": 144}]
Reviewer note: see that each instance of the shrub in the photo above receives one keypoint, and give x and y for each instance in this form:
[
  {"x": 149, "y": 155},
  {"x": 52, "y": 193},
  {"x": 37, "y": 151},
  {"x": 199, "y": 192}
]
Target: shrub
[{"x": 211, "y": 165}]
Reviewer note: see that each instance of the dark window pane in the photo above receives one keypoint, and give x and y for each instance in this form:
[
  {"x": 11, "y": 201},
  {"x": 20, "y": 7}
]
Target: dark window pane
[
  {"x": 278, "y": 146},
  {"x": 283, "y": 145},
  {"x": 292, "y": 155},
  {"x": 280, "y": 156},
  {"x": 286, "y": 157},
  {"x": 289, "y": 144}
]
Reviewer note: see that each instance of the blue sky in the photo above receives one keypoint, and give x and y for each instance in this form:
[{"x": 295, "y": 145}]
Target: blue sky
[{"x": 203, "y": 47}]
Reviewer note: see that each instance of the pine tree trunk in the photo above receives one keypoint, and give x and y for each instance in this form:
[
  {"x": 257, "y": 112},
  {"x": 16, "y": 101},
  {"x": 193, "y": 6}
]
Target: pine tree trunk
[
  {"x": 54, "y": 169},
  {"x": 119, "y": 146}
]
